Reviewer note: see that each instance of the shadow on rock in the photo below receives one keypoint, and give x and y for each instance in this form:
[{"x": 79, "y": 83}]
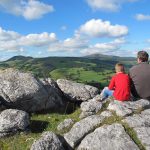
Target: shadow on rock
[{"x": 68, "y": 108}]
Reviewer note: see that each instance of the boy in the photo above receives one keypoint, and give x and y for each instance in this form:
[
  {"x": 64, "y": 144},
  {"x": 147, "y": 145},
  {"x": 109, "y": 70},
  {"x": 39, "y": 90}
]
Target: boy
[{"x": 119, "y": 86}]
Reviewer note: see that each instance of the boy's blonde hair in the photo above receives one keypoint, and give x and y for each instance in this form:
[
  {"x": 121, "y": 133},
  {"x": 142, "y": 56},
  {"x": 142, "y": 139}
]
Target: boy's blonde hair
[{"x": 119, "y": 67}]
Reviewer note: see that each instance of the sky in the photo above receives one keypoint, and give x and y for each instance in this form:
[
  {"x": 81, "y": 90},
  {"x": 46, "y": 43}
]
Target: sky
[{"x": 42, "y": 28}]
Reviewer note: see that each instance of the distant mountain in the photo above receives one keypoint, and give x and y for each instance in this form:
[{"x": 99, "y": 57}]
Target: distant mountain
[
  {"x": 109, "y": 57},
  {"x": 20, "y": 57}
]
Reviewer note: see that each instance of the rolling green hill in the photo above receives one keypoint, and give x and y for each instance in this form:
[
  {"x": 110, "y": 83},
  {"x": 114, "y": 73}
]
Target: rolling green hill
[{"x": 93, "y": 69}]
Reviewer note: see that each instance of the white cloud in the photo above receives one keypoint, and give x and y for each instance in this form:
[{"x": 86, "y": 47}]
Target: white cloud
[
  {"x": 80, "y": 42},
  {"x": 70, "y": 44},
  {"x": 107, "y": 5},
  {"x": 141, "y": 17},
  {"x": 37, "y": 39},
  {"x": 8, "y": 35},
  {"x": 33, "y": 9},
  {"x": 99, "y": 28},
  {"x": 104, "y": 47},
  {"x": 13, "y": 41}
]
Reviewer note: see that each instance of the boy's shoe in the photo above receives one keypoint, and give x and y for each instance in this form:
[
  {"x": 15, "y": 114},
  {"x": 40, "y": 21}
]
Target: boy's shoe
[{"x": 98, "y": 98}]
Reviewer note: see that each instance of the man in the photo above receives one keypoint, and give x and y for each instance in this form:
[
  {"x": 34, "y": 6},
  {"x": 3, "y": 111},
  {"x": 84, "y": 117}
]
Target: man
[{"x": 140, "y": 76}]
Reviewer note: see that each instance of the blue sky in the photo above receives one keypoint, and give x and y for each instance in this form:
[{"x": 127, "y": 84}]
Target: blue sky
[{"x": 73, "y": 27}]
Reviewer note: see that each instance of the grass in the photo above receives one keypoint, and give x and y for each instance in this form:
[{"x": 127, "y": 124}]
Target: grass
[
  {"x": 81, "y": 75},
  {"x": 133, "y": 135},
  {"x": 39, "y": 124}
]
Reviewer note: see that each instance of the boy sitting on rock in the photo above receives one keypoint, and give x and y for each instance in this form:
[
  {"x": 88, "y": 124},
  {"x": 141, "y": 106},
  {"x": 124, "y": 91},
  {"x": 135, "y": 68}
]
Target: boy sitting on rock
[{"x": 119, "y": 86}]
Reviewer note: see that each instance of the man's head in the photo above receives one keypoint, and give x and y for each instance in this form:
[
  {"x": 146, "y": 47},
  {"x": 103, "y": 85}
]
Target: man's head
[
  {"x": 119, "y": 67},
  {"x": 142, "y": 56}
]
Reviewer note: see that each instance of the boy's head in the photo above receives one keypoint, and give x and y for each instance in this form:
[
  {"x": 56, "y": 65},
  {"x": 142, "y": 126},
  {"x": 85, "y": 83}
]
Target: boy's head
[
  {"x": 142, "y": 56},
  {"x": 119, "y": 67}
]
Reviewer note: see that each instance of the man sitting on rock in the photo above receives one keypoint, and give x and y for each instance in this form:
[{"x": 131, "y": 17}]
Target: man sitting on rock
[{"x": 140, "y": 77}]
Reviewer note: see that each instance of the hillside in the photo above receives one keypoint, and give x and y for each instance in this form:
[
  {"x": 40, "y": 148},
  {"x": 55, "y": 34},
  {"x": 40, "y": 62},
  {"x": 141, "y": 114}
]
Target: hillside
[
  {"x": 109, "y": 57},
  {"x": 89, "y": 69}
]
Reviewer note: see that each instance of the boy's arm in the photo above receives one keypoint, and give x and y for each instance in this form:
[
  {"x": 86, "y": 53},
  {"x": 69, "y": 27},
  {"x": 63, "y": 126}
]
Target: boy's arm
[{"x": 112, "y": 84}]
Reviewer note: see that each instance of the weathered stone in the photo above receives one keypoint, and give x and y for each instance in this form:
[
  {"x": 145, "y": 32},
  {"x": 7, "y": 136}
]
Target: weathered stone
[
  {"x": 23, "y": 91},
  {"x": 141, "y": 125},
  {"x": 55, "y": 95},
  {"x": 12, "y": 120},
  {"x": 106, "y": 114},
  {"x": 67, "y": 123},
  {"x": 137, "y": 105},
  {"x": 108, "y": 137},
  {"x": 91, "y": 106},
  {"x": 146, "y": 112},
  {"x": 82, "y": 128},
  {"x": 143, "y": 134},
  {"x": 119, "y": 108},
  {"x": 85, "y": 114},
  {"x": 138, "y": 120},
  {"x": 128, "y": 107},
  {"x": 77, "y": 91},
  {"x": 48, "y": 141}
]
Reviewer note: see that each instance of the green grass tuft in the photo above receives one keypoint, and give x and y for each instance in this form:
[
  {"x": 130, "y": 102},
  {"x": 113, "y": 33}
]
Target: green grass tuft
[{"x": 133, "y": 135}]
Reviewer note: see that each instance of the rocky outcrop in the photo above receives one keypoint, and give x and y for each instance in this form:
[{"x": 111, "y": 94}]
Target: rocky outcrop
[
  {"x": 101, "y": 132},
  {"x": 23, "y": 91},
  {"x": 12, "y": 121},
  {"x": 48, "y": 141},
  {"x": 77, "y": 91},
  {"x": 108, "y": 137}
]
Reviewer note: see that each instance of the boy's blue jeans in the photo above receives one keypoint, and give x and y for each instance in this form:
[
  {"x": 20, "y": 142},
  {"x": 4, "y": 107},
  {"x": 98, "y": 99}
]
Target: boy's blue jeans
[{"x": 106, "y": 93}]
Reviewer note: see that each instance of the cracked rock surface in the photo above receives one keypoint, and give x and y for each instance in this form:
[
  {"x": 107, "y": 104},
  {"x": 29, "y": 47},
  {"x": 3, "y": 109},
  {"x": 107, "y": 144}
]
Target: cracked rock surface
[{"x": 77, "y": 91}]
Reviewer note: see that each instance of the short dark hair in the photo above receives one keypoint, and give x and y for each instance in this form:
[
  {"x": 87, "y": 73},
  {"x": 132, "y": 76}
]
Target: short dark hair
[{"x": 143, "y": 56}]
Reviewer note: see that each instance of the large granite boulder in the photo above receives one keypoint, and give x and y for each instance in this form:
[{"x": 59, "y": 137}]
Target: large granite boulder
[
  {"x": 48, "y": 141},
  {"x": 23, "y": 91},
  {"x": 108, "y": 137},
  {"x": 77, "y": 91},
  {"x": 12, "y": 121}
]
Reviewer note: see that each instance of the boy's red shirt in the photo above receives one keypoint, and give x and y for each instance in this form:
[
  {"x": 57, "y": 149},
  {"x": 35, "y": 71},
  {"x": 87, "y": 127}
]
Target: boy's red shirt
[{"x": 120, "y": 83}]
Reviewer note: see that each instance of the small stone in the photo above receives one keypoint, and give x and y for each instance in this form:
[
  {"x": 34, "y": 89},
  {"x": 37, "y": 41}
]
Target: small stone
[
  {"x": 48, "y": 141},
  {"x": 67, "y": 123},
  {"x": 106, "y": 114}
]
